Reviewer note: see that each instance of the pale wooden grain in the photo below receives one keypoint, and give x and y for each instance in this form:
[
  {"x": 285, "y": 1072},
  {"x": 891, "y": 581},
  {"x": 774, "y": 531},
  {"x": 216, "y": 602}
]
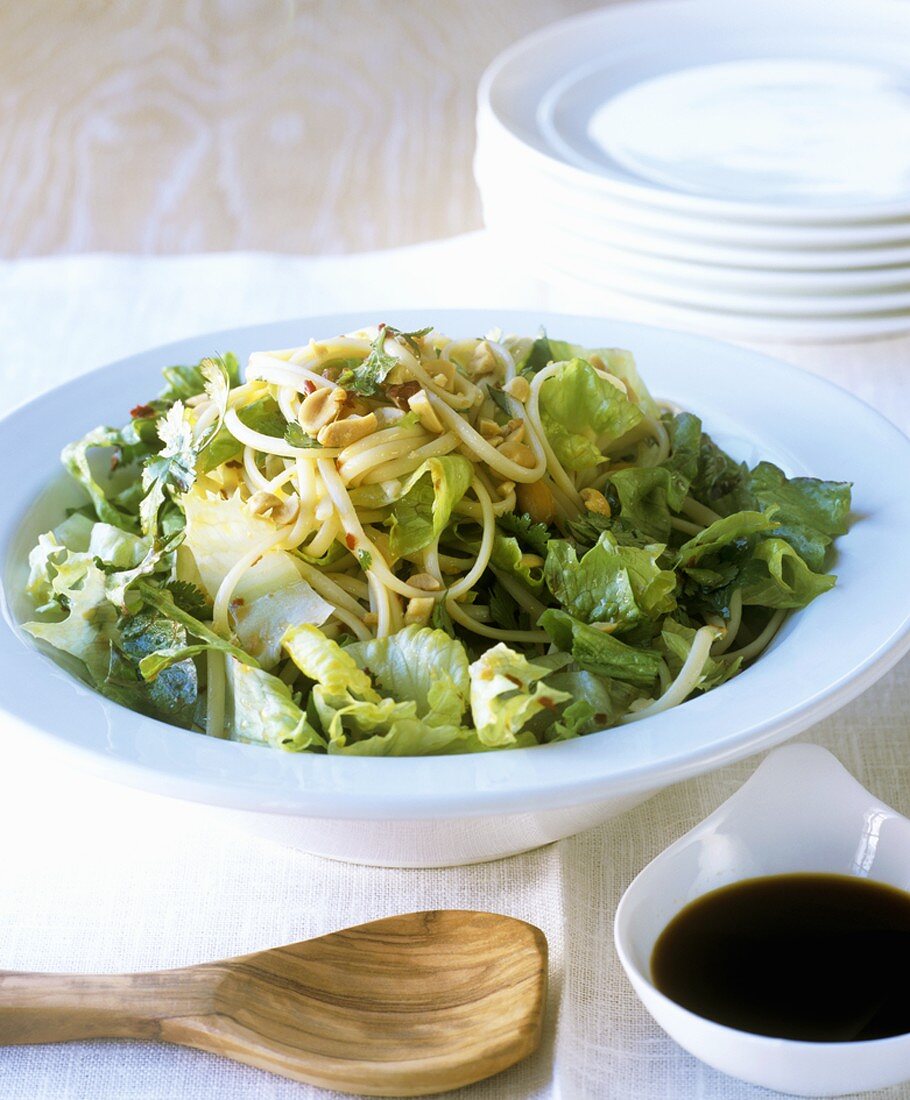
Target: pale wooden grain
[
  {"x": 186, "y": 125},
  {"x": 406, "y": 1006}
]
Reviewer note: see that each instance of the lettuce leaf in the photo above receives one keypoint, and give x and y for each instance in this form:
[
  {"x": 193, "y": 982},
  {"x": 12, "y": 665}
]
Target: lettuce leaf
[
  {"x": 778, "y": 577},
  {"x": 644, "y": 497},
  {"x": 582, "y": 414},
  {"x": 507, "y": 691},
  {"x": 599, "y": 652},
  {"x": 611, "y": 583},
  {"x": 263, "y": 711},
  {"x": 810, "y": 513},
  {"x": 262, "y": 622},
  {"x": 617, "y": 361},
  {"x": 419, "y": 664},
  {"x": 722, "y": 533},
  {"x": 360, "y": 721},
  {"x": 75, "y": 458},
  {"x": 86, "y": 628},
  {"x": 428, "y": 497},
  {"x": 676, "y": 641}
]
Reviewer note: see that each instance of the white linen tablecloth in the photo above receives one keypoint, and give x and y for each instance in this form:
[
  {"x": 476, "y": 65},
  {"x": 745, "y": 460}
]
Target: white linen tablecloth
[{"x": 95, "y": 877}]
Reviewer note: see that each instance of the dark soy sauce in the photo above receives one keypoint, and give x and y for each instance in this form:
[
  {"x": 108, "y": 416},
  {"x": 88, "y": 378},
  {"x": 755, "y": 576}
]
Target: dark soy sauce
[{"x": 821, "y": 958}]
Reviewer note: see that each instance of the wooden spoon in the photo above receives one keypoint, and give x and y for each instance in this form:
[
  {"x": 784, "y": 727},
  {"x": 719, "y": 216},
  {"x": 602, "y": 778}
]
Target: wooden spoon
[{"x": 405, "y": 1006}]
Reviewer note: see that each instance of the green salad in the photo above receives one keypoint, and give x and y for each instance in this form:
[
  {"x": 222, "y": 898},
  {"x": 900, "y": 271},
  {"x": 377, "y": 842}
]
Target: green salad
[{"x": 398, "y": 543}]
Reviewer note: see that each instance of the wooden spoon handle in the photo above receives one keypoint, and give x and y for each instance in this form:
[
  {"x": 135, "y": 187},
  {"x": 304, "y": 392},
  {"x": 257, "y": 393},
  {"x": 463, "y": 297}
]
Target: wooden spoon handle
[{"x": 52, "y": 1008}]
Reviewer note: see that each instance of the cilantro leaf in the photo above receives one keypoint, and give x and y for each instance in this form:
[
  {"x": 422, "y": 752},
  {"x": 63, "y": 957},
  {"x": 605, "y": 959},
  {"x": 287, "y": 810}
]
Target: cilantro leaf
[
  {"x": 534, "y": 536},
  {"x": 366, "y": 378},
  {"x": 297, "y": 437},
  {"x": 173, "y": 468},
  {"x": 189, "y": 598}
]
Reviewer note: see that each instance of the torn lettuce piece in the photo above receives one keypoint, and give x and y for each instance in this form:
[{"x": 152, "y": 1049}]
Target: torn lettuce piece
[
  {"x": 507, "y": 691},
  {"x": 116, "y": 547},
  {"x": 720, "y": 481},
  {"x": 617, "y": 361},
  {"x": 262, "y": 711},
  {"x": 427, "y": 500},
  {"x": 356, "y": 718},
  {"x": 508, "y": 556},
  {"x": 810, "y": 512},
  {"x": 87, "y": 625},
  {"x": 599, "y": 652},
  {"x": 611, "y": 583},
  {"x": 608, "y": 700},
  {"x": 776, "y": 576},
  {"x": 262, "y": 622},
  {"x": 75, "y": 458},
  {"x": 419, "y": 664},
  {"x": 738, "y": 528},
  {"x": 644, "y": 498},
  {"x": 676, "y": 642},
  {"x": 219, "y": 532},
  {"x": 583, "y": 414}
]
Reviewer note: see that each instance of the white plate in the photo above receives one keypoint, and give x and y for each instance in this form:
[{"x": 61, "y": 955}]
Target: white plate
[
  {"x": 541, "y": 190},
  {"x": 586, "y": 252},
  {"x": 572, "y": 291},
  {"x": 540, "y": 205},
  {"x": 427, "y": 811},
  {"x": 729, "y": 110}
]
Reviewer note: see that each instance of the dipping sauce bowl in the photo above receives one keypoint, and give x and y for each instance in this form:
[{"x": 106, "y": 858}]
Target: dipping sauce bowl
[{"x": 801, "y": 811}]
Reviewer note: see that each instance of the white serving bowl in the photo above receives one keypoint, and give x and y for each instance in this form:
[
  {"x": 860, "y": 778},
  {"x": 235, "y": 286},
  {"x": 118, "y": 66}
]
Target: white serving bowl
[
  {"x": 800, "y": 812},
  {"x": 462, "y": 809}
]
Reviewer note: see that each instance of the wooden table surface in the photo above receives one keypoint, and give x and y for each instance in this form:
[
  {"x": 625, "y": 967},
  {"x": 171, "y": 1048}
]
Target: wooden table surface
[{"x": 181, "y": 126}]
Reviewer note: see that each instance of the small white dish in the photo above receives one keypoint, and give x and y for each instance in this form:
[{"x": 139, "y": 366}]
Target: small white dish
[{"x": 801, "y": 811}]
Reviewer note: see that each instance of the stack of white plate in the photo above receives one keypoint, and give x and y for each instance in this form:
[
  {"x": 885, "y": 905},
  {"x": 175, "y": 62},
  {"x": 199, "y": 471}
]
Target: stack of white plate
[{"x": 742, "y": 167}]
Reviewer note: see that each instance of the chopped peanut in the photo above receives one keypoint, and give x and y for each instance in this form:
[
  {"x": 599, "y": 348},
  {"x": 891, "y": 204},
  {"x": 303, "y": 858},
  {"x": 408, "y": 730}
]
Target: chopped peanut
[
  {"x": 280, "y": 511},
  {"x": 342, "y": 433},
  {"x": 517, "y": 434},
  {"x": 420, "y": 404},
  {"x": 537, "y": 500},
  {"x": 519, "y": 388},
  {"x": 489, "y": 429},
  {"x": 425, "y": 582},
  {"x": 370, "y": 619},
  {"x": 519, "y": 453},
  {"x": 441, "y": 380},
  {"x": 419, "y": 610},
  {"x": 596, "y": 502},
  {"x": 320, "y": 407},
  {"x": 483, "y": 361}
]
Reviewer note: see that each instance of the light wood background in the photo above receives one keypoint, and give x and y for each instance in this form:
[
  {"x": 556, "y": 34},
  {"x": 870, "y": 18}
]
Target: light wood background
[{"x": 194, "y": 125}]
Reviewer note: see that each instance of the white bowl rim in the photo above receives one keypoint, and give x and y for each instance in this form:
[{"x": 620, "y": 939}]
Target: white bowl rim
[
  {"x": 703, "y": 734},
  {"x": 656, "y": 197}
]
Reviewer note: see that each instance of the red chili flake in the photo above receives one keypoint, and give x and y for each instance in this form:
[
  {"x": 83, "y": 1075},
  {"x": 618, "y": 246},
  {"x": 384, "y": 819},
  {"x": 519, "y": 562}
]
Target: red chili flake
[
  {"x": 142, "y": 412},
  {"x": 546, "y": 701},
  {"x": 308, "y": 386},
  {"x": 350, "y": 542},
  {"x": 513, "y": 679}
]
